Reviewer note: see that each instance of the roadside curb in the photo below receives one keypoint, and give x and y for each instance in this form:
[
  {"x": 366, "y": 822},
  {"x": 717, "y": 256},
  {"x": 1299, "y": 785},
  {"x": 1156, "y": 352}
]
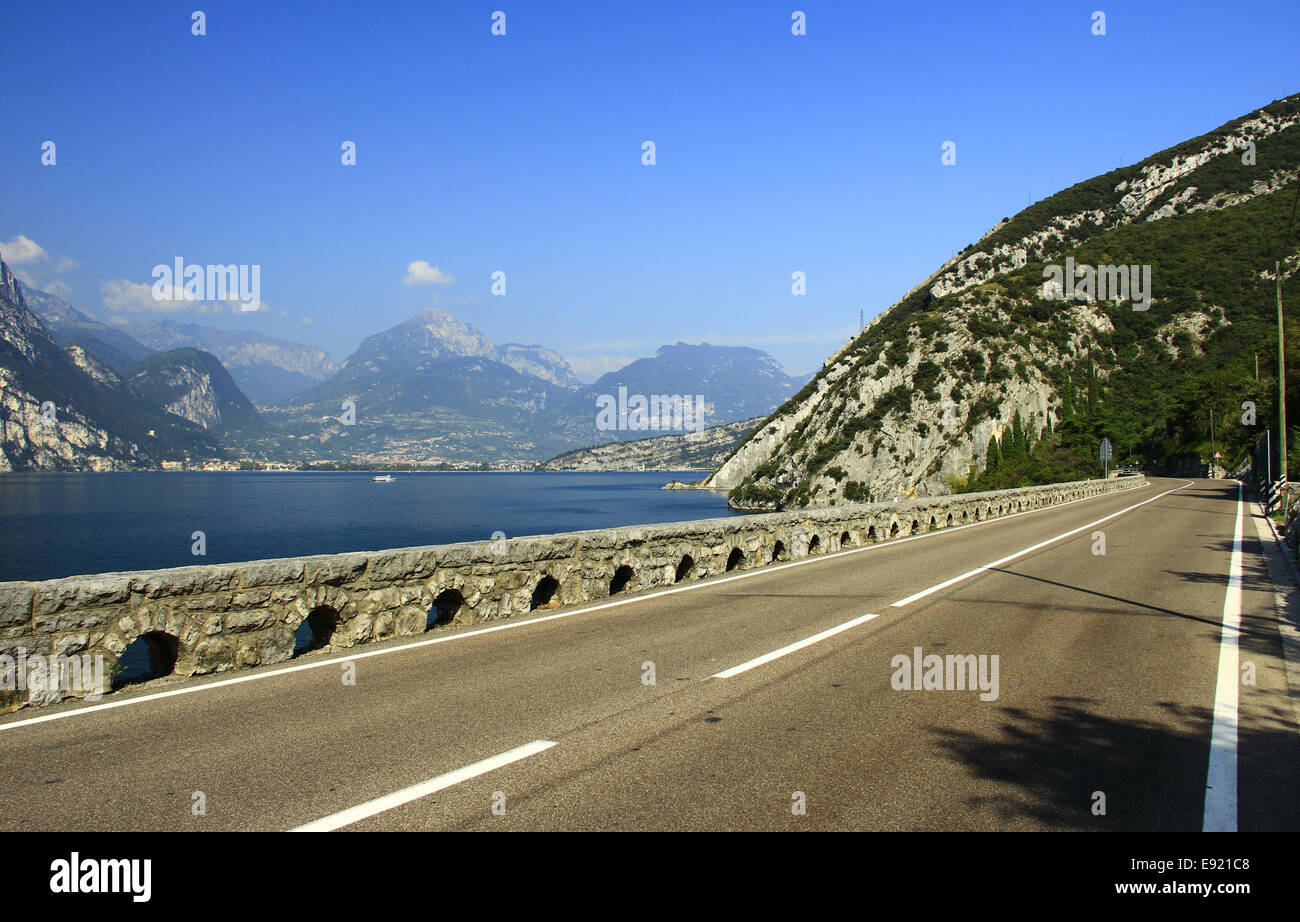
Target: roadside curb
[
  {"x": 1286, "y": 599},
  {"x": 1285, "y": 548}
]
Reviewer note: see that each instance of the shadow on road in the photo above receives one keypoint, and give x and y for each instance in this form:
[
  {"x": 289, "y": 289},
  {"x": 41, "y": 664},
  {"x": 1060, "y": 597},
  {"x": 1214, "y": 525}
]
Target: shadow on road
[
  {"x": 1214, "y": 622},
  {"x": 1152, "y": 774}
]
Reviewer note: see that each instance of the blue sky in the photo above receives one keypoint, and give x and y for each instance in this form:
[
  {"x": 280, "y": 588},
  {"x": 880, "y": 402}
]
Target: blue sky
[{"x": 523, "y": 153}]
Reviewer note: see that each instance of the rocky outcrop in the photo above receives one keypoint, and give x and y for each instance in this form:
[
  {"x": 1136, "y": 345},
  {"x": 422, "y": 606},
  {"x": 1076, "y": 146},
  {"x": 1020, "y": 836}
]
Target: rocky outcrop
[
  {"x": 43, "y": 423},
  {"x": 539, "y": 362},
  {"x": 910, "y": 404},
  {"x": 193, "y": 385},
  {"x": 218, "y": 618},
  {"x": 693, "y": 451}
]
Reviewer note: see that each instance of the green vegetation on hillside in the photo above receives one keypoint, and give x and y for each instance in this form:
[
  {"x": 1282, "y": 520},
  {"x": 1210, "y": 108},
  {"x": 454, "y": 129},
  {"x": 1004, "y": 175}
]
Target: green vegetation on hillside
[{"x": 1148, "y": 380}]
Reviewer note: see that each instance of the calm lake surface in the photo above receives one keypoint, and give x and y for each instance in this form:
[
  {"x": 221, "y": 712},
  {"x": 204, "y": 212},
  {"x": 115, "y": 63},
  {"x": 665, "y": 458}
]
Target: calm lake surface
[{"x": 63, "y": 524}]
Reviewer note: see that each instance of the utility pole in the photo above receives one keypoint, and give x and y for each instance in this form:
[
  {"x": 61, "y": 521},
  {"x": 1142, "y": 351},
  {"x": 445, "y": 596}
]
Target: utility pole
[{"x": 1281, "y": 375}]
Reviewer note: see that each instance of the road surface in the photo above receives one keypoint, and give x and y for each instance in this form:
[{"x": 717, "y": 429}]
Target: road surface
[{"x": 683, "y": 709}]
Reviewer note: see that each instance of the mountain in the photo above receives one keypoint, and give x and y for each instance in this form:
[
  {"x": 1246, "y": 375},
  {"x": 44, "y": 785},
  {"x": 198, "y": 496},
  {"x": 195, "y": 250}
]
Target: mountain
[
  {"x": 435, "y": 334},
  {"x": 64, "y": 409},
  {"x": 193, "y": 385},
  {"x": 434, "y": 388},
  {"x": 539, "y": 362},
  {"x": 430, "y": 334},
  {"x": 736, "y": 382},
  {"x": 268, "y": 370},
  {"x": 112, "y": 346},
  {"x": 694, "y": 451},
  {"x": 982, "y": 375}
]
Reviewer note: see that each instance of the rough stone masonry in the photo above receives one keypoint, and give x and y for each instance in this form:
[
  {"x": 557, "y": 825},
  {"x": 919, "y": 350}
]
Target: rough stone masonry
[{"x": 205, "y": 619}]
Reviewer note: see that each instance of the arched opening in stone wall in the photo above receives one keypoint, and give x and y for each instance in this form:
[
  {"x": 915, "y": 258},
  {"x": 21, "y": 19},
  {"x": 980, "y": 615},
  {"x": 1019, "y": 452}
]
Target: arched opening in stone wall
[
  {"x": 846, "y": 540},
  {"x": 316, "y": 630},
  {"x": 684, "y": 568},
  {"x": 916, "y": 526},
  {"x": 150, "y": 656},
  {"x": 934, "y": 522},
  {"x": 871, "y": 534},
  {"x": 735, "y": 559},
  {"x": 544, "y": 594},
  {"x": 948, "y": 524},
  {"x": 622, "y": 576},
  {"x": 814, "y": 544},
  {"x": 444, "y": 608},
  {"x": 778, "y": 551},
  {"x": 893, "y": 530}
]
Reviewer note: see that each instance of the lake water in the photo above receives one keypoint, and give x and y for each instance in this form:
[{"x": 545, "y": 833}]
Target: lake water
[{"x": 63, "y": 524}]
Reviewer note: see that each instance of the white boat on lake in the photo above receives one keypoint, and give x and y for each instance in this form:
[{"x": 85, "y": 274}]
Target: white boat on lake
[{"x": 384, "y": 478}]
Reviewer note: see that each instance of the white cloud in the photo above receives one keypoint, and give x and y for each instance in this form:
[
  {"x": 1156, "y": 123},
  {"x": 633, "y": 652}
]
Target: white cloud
[
  {"x": 306, "y": 321},
  {"x": 421, "y": 273},
  {"x": 23, "y": 254},
  {"x": 123, "y": 296},
  {"x": 23, "y": 251}
]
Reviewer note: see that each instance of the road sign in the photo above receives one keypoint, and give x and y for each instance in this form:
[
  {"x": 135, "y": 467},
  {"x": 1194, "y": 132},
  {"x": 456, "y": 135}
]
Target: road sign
[{"x": 1107, "y": 453}]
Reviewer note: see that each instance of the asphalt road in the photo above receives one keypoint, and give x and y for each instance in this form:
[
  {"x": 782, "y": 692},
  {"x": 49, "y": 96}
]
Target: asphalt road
[{"x": 1102, "y": 716}]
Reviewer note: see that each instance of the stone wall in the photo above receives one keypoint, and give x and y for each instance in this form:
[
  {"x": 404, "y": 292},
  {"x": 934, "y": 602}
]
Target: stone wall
[{"x": 204, "y": 619}]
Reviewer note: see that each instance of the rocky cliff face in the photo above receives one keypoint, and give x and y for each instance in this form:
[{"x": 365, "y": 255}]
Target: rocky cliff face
[
  {"x": 540, "y": 362},
  {"x": 913, "y": 401},
  {"x": 66, "y": 409},
  {"x": 193, "y": 385},
  {"x": 694, "y": 451},
  {"x": 41, "y": 428},
  {"x": 267, "y": 369}
]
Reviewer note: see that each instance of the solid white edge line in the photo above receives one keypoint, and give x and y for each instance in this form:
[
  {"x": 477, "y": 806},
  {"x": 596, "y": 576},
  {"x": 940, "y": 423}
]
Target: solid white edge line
[
  {"x": 791, "y": 648},
  {"x": 1221, "y": 774},
  {"x": 1028, "y": 550},
  {"x": 423, "y": 789},
  {"x": 402, "y": 647}
]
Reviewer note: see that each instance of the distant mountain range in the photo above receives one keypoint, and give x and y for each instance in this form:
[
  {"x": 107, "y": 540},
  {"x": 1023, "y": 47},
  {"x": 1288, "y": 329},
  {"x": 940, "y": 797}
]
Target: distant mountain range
[
  {"x": 267, "y": 369},
  {"x": 736, "y": 382},
  {"x": 434, "y": 387},
  {"x": 429, "y": 389},
  {"x": 111, "y": 345}
]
